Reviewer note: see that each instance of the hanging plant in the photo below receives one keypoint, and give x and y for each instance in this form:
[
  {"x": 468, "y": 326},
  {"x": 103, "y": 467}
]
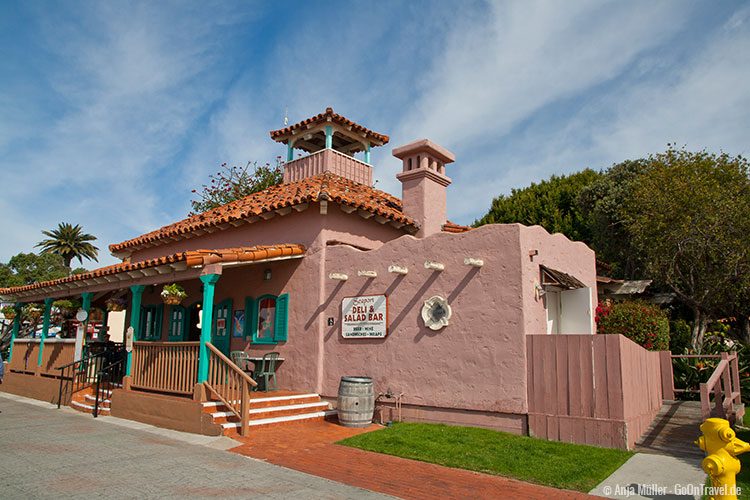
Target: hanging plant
[
  {"x": 173, "y": 294},
  {"x": 66, "y": 307},
  {"x": 32, "y": 312},
  {"x": 9, "y": 312},
  {"x": 116, "y": 304}
]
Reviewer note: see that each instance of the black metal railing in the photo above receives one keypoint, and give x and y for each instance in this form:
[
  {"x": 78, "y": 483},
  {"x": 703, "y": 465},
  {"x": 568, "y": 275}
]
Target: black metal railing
[
  {"x": 84, "y": 373},
  {"x": 110, "y": 376}
]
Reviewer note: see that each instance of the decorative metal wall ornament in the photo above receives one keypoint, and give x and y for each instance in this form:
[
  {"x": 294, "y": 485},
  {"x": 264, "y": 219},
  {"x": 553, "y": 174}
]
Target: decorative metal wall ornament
[{"x": 436, "y": 312}]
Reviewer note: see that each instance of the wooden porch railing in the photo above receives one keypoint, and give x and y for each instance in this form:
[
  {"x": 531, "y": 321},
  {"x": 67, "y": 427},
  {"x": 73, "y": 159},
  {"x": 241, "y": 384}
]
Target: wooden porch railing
[
  {"x": 170, "y": 367},
  {"x": 230, "y": 385},
  {"x": 724, "y": 383}
]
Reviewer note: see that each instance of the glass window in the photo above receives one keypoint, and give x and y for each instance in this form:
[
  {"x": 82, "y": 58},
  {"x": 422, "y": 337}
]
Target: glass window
[{"x": 266, "y": 319}]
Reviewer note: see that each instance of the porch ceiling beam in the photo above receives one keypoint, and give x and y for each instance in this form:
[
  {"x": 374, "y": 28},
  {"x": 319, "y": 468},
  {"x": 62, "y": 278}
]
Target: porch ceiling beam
[
  {"x": 135, "y": 274},
  {"x": 396, "y": 224},
  {"x": 166, "y": 269},
  {"x": 284, "y": 211},
  {"x": 210, "y": 229},
  {"x": 347, "y": 208},
  {"x": 380, "y": 219},
  {"x": 111, "y": 278},
  {"x": 300, "y": 207},
  {"x": 237, "y": 222},
  {"x": 100, "y": 281},
  {"x": 198, "y": 232},
  {"x": 252, "y": 219},
  {"x": 149, "y": 272},
  {"x": 175, "y": 237},
  {"x": 365, "y": 214},
  {"x": 224, "y": 226},
  {"x": 267, "y": 215}
]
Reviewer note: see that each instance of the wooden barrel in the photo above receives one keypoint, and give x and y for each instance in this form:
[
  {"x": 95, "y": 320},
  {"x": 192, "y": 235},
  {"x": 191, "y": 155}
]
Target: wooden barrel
[{"x": 356, "y": 402}]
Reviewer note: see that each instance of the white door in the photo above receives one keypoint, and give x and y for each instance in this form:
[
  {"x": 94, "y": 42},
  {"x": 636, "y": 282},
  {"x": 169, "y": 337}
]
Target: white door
[{"x": 576, "y": 311}]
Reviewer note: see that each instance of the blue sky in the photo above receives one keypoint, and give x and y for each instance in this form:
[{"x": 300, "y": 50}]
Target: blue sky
[{"x": 111, "y": 112}]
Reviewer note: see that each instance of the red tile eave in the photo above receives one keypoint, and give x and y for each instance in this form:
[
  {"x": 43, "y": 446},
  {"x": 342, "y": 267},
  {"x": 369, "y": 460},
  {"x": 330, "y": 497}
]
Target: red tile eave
[
  {"x": 192, "y": 258},
  {"x": 325, "y": 186},
  {"x": 281, "y": 134}
]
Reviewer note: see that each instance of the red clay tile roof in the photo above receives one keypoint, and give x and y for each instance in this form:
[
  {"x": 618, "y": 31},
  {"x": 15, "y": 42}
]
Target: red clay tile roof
[
  {"x": 192, "y": 258},
  {"x": 280, "y": 135},
  {"x": 451, "y": 227},
  {"x": 325, "y": 186}
]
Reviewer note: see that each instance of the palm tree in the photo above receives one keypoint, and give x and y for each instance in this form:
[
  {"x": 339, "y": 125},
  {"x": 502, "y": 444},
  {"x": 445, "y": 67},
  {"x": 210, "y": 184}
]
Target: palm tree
[{"x": 69, "y": 242}]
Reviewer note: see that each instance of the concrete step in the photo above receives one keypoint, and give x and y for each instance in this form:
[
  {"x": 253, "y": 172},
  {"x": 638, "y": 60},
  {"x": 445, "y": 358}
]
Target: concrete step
[
  {"x": 272, "y": 411},
  {"x": 228, "y": 427},
  {"x": 86, "y": 408},
  {"x": 266, "y": 401},
  {"x": 92, "y": 399}
]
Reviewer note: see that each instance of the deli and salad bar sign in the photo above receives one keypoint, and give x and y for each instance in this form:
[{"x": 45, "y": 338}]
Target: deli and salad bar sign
[{"x": 365, "y": 316}]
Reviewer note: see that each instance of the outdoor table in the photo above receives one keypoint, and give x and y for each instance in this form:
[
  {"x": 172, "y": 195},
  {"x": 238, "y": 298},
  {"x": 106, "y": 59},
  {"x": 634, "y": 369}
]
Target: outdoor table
[{"x": 257, "y": 364}]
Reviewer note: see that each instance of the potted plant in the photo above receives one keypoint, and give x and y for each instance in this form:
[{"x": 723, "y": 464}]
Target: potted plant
[
  {"x": 9, "y": 312},
  {"x": 115, "y": 304},
  {"x": 173, "y": 294},
  {"x": 32, "y": 312},
  {"x": 66, "y": 307}
]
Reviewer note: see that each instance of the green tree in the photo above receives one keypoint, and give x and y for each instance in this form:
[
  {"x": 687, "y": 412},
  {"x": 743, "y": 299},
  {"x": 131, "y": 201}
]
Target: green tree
[
  {"x": 603, "y": 205},
  {"x": 69, "y": 242},
  {"x": 552, "y": 204},
  {"x": 689, "y": 217},
  {"x": 28, "y": 268},
  {"x": 233, "y": 183}
]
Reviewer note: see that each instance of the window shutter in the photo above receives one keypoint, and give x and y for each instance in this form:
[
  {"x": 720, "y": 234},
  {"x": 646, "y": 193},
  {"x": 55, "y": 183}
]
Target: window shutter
[
  {"x": 158, "y": 317},
  {"x": 177, "y": 323},
  {"x": 282, "y": 318},
  {"x": 251, "y": 317}
]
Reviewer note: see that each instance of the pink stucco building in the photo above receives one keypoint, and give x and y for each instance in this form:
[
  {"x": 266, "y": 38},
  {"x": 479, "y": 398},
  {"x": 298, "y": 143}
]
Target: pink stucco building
[{"x": 280, "y": 267}]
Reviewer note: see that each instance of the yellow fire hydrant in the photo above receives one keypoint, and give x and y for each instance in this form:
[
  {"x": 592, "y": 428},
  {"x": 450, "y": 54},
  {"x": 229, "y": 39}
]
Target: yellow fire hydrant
[{"x": 720, "y": 443}]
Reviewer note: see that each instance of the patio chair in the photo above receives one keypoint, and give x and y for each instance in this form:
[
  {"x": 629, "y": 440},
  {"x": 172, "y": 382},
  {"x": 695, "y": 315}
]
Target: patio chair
[
  {"x": 267, "y": 370},
  {"x": 242, "y": 360}
]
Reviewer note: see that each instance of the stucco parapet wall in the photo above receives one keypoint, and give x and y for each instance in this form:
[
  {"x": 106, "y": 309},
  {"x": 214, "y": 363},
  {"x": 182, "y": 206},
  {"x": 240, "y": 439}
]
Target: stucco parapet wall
[{"x": 424, "y": 146}]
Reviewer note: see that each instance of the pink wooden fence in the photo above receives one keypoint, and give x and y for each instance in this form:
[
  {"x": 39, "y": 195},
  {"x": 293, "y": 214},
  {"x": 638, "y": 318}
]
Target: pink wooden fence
[{"x": 603, "y": 390}]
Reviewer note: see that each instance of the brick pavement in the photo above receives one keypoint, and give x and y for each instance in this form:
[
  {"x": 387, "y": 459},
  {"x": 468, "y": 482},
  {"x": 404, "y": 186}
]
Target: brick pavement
[{"x": 309, "y": 447}]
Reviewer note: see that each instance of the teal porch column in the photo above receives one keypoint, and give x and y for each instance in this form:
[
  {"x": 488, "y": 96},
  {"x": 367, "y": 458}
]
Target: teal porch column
[
  {"x": 135, "y": 319},
  {"x": 16, "y": 328},
  {"x": 367, "y": 153},
  {"x": 209, "y": 285},
  {"x": 45, "y": 327},
  {"x": 290, "y": 150},
  {"x": 329, "y": 137},
  {"x": 86, "y": 306}
]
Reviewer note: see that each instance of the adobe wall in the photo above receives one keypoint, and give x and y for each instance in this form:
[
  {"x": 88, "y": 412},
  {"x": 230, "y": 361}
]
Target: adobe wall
[
  {"x": 296, "y": 227},
  {"x": 555, "y": 251},
  {"x": 475, "y": 363}
]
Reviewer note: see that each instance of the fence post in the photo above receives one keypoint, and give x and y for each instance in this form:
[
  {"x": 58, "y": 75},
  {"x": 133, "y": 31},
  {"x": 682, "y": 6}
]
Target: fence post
[
  {"x": 667, "y": 375},
  {"x": 736, "y": 379},
  {"x": 244, "y": 408},
  {"x": 14, "y": 332}
]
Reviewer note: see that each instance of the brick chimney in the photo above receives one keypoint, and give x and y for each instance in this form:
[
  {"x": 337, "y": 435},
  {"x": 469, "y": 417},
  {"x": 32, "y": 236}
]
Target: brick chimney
[{"x": 424, "y": 183}]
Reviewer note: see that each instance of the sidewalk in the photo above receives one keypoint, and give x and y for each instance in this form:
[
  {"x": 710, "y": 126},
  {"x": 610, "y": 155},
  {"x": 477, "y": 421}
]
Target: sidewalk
[
  {"x": 309, "y": 447},
  {"x": 648, "y": 475}
]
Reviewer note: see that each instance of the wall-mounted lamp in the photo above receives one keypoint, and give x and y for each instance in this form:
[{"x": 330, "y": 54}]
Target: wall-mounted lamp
[
  {"x": 267, "y": 275},
  {"x": 368, "y": 274},
  {"x": 470, "y": 261},
  {"x": 435, "y": 266},
  {"x": 398, "y": 269},
  {"x": 338, "y": 276}
]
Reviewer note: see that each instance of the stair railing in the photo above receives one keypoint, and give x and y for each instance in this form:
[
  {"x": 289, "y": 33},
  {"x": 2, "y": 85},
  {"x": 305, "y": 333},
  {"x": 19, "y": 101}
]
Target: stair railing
[
  {"x": 109, "y": 376},
  {"x": 81, "y": 374},
  {"x": 227, "y": 382},
  {"x": 724, "y": 383}
]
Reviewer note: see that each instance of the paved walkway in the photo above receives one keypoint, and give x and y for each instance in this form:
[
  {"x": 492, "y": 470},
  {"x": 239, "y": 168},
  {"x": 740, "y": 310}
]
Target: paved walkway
[
  {"x": 647, "y": 475},
  {"x": 50, "y": 453},
  {"x": 308, "y": 447}
]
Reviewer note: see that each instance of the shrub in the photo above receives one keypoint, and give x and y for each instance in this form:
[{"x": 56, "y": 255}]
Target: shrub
[
  {"x": 680, "y": 336},
  {"x": 643, "y": 323}
]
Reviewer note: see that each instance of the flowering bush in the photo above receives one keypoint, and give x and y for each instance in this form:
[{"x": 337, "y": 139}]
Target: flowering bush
[
  {"x": 9, "y": 312},
  {"x": 643, "y": 323}
]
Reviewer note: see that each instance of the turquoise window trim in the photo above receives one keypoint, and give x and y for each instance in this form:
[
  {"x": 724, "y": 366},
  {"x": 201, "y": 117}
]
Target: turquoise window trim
[
  {"x": 157, "y": 320},
  {"x": 281, "y": 318},
  {"x": 172, "y": 323}
]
